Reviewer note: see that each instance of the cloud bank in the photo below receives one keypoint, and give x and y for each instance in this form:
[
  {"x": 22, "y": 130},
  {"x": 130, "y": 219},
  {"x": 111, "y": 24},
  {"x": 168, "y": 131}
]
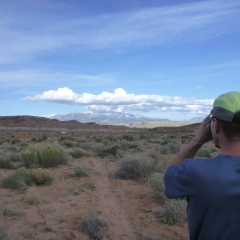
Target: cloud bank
[{"x": 121, "y": 101}]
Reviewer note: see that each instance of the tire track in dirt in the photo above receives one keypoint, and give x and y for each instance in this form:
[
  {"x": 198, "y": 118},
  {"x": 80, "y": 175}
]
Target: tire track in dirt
[{"x": 109, "y": 203}]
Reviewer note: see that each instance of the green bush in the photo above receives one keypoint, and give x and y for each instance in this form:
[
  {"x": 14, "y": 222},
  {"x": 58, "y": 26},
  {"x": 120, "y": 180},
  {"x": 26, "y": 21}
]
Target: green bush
[
  {"x": 18, "y": 180},
  {"x": 109, "y": 151},
  {"x": 128, "y": 138},
  {"x": 173, "y": 212},
  {"x": 77, "y": 153},
  {"x": 6, "y": 164},
  {"x": 43, "y": 176},
  {"x": 44, "y": 155},
  {"x": 24, "y": 178}
]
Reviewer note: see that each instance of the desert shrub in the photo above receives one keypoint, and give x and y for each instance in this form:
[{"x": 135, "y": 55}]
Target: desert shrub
[
  {"x": 13, "y": 157},
  {"x": 10, "y": 212},
  {"x": 106, "y": 141},
  {"x": 128, "y": 138},
  {"x": 93, "y": 226},
  {"x": 2, "y": 207},
  {"x": 133, "y": 167},
  {"x": 5, "y": 164},
  {"x": 77, "y": 153},
  {"x": 83, "y": 188},
  {"x": 174, "y": 148},
  {"x": 15, "y": 141},
  {"x": 3, "y": 233},
  {"x": 43, "y": 138},
  {"x": 186, "y": 138},
  {"x": 18, "y": 180},
  {"x": 2, "y": 177},
  {"x": 157, "y": 185},
  {"x": 9, "y": 147},
  {"x": 170, "y": 148},
  {"x": 33, "y": 197},
  {"x": 43, "y": 176},
  {"x": 173, "y": 212},
  {"x": 164, "y": 150},
  {"x": 45, "y": 155},
  {"x": 121, "y": 153},
  {"x": 81, "y": 170},
  {"x": 21, "y": 179},
  {"x": 109, "y": 151},
  {"x": 157, "y": 155},
  {"x": 69, "y": 143},
  {"x": 206, "y": 151},
  {"x": 165, "y": 140},
  {"x": 94, "y": 146}
]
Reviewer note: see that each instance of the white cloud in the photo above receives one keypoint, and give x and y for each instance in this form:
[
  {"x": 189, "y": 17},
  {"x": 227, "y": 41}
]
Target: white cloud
[{"x": 121, "y": 101}]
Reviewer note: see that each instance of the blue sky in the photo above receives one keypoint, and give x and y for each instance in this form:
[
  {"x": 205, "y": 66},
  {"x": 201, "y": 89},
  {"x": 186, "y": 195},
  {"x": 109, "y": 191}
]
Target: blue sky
[{"x": 165, "y": 59}]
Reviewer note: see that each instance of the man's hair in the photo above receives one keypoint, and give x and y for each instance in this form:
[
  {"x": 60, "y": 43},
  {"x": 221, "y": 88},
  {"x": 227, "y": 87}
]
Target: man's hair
[{"x": 231, "y": 130}]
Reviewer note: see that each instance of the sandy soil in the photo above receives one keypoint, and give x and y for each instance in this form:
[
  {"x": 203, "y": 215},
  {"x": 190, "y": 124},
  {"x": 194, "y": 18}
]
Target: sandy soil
[{"x": 127, "y": 206}]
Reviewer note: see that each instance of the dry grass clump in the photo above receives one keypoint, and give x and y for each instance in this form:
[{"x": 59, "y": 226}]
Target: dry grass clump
[
  {"x": 170, "y": 148},
  {"x": 5, "y": 164},
  {"x": 2, "y": 177},
  {"x": 13, "y": 212},
  {"x": 133, "y": 167},
  {"x": 78, "y": 153},
  {"x": 82, "y": 188},
  {"x": 81, "y": 170},
  {"x": 157, "y": 184},
  {"x": 3, "y": 233},
  {"x": 33, "y": 197},
  {"x": 93, "y": 226},
  {"x": 206, "y": 151},
  {"x": 173, "y": 212},
  {"x": 45, "y": 155}
]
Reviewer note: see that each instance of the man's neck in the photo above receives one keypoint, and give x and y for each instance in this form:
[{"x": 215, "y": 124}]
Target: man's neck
[{"x": 231, "y": 148}]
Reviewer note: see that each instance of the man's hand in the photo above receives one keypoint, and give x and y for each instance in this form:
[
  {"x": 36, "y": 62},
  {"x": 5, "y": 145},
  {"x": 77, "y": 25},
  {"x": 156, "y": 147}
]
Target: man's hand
[
  {"x": 204, "y": 132},
  {"x": 204, "y": 135}
]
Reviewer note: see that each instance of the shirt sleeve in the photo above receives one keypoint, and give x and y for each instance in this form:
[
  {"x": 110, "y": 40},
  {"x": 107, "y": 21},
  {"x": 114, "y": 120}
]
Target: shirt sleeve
[{"x": 175, "y": 180}]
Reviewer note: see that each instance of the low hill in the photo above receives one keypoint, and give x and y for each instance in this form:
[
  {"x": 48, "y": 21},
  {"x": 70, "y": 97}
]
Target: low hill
[{"x": 43, "y": 123}]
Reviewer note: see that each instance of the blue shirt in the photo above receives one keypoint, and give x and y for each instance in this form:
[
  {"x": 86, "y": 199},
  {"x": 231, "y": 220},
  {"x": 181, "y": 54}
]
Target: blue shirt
[{"x": 212, "y": 188}]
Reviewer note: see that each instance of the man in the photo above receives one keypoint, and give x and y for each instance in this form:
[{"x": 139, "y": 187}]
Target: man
[{"x": 211, "y": 186}]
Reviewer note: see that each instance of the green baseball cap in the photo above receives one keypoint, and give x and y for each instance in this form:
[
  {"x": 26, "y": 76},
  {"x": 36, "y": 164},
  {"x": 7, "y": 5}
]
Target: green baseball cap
[{"x": 226, "y": 106}]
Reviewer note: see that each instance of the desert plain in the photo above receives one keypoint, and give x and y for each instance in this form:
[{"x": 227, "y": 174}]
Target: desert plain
[{"x": 110, "y": 187}]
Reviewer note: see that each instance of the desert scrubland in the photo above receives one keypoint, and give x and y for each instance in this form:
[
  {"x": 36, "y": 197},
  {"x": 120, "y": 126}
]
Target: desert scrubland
[{"x": 90, "y": 184}]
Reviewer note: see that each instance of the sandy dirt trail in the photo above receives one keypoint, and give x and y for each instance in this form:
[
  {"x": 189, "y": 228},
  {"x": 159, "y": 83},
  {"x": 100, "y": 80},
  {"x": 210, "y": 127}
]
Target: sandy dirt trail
[{"x": 127, "y": 207}]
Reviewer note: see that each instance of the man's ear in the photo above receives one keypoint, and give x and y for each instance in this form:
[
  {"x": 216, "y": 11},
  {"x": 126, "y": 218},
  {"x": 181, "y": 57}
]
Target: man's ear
[{"x": 217, "y": 125}]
